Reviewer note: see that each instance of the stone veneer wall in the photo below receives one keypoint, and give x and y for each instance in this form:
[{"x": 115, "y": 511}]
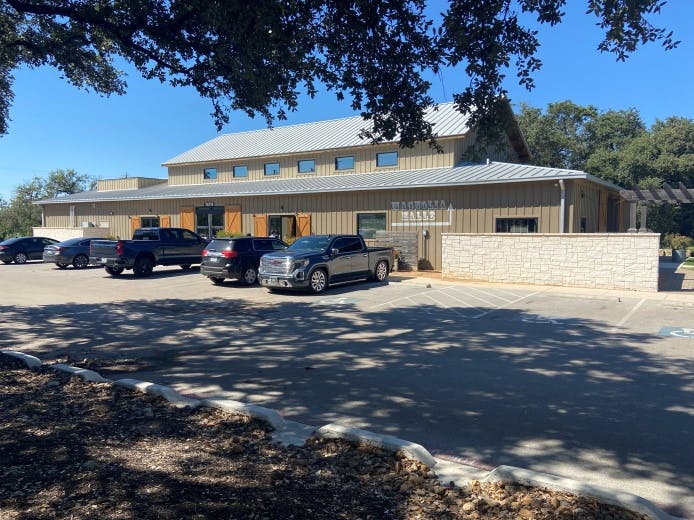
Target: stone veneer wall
[
  {"x": 595, "y": 260},
  {"x": 66, "y": 233}
]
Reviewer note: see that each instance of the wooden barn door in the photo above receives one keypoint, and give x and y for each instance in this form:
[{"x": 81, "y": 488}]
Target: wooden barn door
[
  {"x": 188, "y": 218},
  {"x": 303, "y": 224},
  {"x": 260, "y": 225},
  {"x": 135, "y": 223},
  {"x": 232, "y": 219}
]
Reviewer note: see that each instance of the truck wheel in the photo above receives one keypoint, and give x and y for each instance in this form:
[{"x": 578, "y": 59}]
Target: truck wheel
[
  {"x": 217, "y": 281},
  {"x": 80, "y": 262},
  {"x": 381, "y": 271},
  {"x": 250, "y": 276},
  {"x": 20, "y": 258},
  {"x": 114, "y": 271},
  {"x": 143, "y": 266},
  {"x": 319, "y": 281}
]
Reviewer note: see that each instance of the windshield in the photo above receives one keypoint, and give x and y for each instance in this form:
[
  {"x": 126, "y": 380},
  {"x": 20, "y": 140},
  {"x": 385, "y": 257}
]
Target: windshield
[{"x": 312, "y": 243}]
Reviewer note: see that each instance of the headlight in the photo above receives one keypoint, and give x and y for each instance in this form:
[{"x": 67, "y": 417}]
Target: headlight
[{"x": 300, "y": 264}]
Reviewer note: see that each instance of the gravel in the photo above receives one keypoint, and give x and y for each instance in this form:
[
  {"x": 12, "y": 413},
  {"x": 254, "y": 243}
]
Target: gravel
[{"x": 79, "y": 450}]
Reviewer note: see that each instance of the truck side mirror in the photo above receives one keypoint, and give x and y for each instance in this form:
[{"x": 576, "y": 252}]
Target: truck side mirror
[{"x": 334, "y": 251}]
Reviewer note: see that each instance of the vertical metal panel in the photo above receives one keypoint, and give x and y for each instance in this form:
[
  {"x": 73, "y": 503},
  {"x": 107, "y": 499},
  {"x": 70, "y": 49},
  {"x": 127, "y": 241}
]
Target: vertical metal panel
[
  {"x": 475, "y": 209},
  {"x": 420, "y": 156}
]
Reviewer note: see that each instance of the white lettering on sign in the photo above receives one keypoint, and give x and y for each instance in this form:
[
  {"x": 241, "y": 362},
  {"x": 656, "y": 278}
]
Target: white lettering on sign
[
  {"x": 418, "y": 216},
  {"x": 422, "y": 212},
  {"x": 418, "y": 205}
]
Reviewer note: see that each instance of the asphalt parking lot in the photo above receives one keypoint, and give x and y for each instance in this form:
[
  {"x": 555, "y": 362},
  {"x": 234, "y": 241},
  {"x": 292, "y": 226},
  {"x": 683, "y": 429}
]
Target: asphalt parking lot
[{"x": 593, "y": 385}]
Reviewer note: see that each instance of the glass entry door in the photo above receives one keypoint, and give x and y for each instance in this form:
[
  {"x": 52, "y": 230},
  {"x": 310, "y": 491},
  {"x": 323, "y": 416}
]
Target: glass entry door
[
  {"x": 282, "y": 227},
  {"x": 209, "y": 220}
]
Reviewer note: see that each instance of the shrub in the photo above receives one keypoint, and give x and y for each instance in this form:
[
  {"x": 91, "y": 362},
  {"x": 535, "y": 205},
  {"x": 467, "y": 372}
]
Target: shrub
[
  {"x": 227, "y": 234},
  {"x": 680, "y": 242}
]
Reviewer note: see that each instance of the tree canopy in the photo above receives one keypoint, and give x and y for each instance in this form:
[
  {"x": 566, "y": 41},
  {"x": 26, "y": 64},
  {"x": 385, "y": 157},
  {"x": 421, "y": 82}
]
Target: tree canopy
[
  {"x": 260, "y": 56},
  {"x": 19, "y": 215},
  {"x": 615, "y": 145}
]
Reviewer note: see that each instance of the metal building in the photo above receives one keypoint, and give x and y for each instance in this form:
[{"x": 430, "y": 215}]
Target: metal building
[{"x": 322, "y": 178}]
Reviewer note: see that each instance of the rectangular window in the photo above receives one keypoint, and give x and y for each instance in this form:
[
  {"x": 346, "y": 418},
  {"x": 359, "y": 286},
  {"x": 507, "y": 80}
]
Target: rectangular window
[
  {"x": 369, "y": 223},
  {"x": 209, "y": 174},
  {"x": 307, "y": 166},
  {"x": 344, "y": 163},
  {"x": 386, "y": 159},
  {"x": 149, "y": 221},
  {"x": 272, "y": 168},
  {"x": 516, "y": 225},
  {"x": 240, "y": 171}
]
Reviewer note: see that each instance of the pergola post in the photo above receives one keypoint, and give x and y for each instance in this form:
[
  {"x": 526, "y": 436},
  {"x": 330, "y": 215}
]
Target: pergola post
[
  {"x": 632, "y": 217},
  {"x": 644, "y": 213}
]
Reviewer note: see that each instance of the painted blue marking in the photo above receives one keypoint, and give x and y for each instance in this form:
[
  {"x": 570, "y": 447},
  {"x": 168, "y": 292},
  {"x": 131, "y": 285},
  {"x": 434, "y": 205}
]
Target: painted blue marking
[{"x": 677, "y": 332}]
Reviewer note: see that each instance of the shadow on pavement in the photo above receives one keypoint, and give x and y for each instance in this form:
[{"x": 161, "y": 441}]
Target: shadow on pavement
[{"x": 502, "y": 390}]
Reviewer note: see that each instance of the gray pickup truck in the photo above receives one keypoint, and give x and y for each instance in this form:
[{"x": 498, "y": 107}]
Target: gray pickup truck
[
  {"x": 149, "y": 247},
  {"x": 317, "y": 261}
]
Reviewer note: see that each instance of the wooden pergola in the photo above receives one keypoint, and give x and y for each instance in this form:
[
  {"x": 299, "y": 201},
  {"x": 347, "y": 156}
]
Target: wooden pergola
[{"x": 647, "y": 196}]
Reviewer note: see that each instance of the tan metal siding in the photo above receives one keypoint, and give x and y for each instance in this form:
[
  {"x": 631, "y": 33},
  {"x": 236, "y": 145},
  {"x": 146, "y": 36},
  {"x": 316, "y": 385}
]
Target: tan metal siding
[
  {"x": 421, "y": 156},
  {"x": 127, "y": 183},
  {"x": 475, "y": 210}
]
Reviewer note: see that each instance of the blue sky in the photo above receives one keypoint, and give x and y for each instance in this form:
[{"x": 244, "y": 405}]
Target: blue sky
[{"x": 54, "y": 125}]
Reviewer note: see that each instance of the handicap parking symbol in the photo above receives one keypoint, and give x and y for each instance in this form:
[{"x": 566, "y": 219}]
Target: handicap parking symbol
[{"x": 677, "y": 332}]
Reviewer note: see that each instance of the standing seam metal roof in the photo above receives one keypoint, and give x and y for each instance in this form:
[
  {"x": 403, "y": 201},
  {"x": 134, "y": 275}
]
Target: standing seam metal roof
[
  {"x": 309, "y": 137},
  {"x": 461, "y": 175}
]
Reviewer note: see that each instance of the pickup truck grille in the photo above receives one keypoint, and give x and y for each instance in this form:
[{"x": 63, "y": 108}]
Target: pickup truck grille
[{"x": 276, "y": 265}]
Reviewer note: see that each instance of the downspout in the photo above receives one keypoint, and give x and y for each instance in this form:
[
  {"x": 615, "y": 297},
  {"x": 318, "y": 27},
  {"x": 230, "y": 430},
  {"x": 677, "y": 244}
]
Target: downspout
[{"x": 562, "y": 206}]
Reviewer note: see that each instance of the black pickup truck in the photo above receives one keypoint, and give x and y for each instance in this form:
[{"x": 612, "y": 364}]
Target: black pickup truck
[
  {"x": 149, "y": 247},
  {"x": 317, "y": 261}
]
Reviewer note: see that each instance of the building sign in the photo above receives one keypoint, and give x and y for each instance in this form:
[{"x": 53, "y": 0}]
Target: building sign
[{"x": 421, "y": 212}]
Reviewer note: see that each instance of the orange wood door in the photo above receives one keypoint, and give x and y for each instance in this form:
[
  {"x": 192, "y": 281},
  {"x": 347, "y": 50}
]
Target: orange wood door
[
  {"x": 303, "y": 224},
  {"x": 188, "y": 218},
  {"x": 260, "y": 225},
  {"x": 135, "y": 223},
  {"x": 165, "y": 221},
  {"x": 232, "y": 219}
]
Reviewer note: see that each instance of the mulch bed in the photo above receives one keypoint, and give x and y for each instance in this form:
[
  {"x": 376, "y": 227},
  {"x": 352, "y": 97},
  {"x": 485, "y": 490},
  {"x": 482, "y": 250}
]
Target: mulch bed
[{"x": 79, "y": 450}]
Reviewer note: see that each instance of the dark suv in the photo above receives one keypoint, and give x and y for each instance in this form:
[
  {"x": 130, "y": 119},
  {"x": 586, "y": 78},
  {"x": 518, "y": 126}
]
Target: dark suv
[{"x": 236, "y": 258}]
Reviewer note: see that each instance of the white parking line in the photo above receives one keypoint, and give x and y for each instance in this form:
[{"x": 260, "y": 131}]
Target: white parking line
[
  {"x": 390, "y": 302},
  {"x": 464, "y": 303},
  {"x": 493, "y": 295},
  {"x": 507, "y": 304},
  {"x": 445, "y": 291},
  {"x": 446, "y": 307},
  {"x": 629, "y": 315}
]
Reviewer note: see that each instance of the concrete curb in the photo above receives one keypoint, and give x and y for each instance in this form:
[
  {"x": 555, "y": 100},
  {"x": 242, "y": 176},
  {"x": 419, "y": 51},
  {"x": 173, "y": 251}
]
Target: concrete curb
[
  {"x": 294, "y": 433},
  {"x": 635, "y": 503},
  {"x": 251, "y": 410},
  {"x": 411, "y": 450},
  {"x": 166, "y": 392},
  {"x": 87, "y": 375},
  {"x": 31, "y": 362}
]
